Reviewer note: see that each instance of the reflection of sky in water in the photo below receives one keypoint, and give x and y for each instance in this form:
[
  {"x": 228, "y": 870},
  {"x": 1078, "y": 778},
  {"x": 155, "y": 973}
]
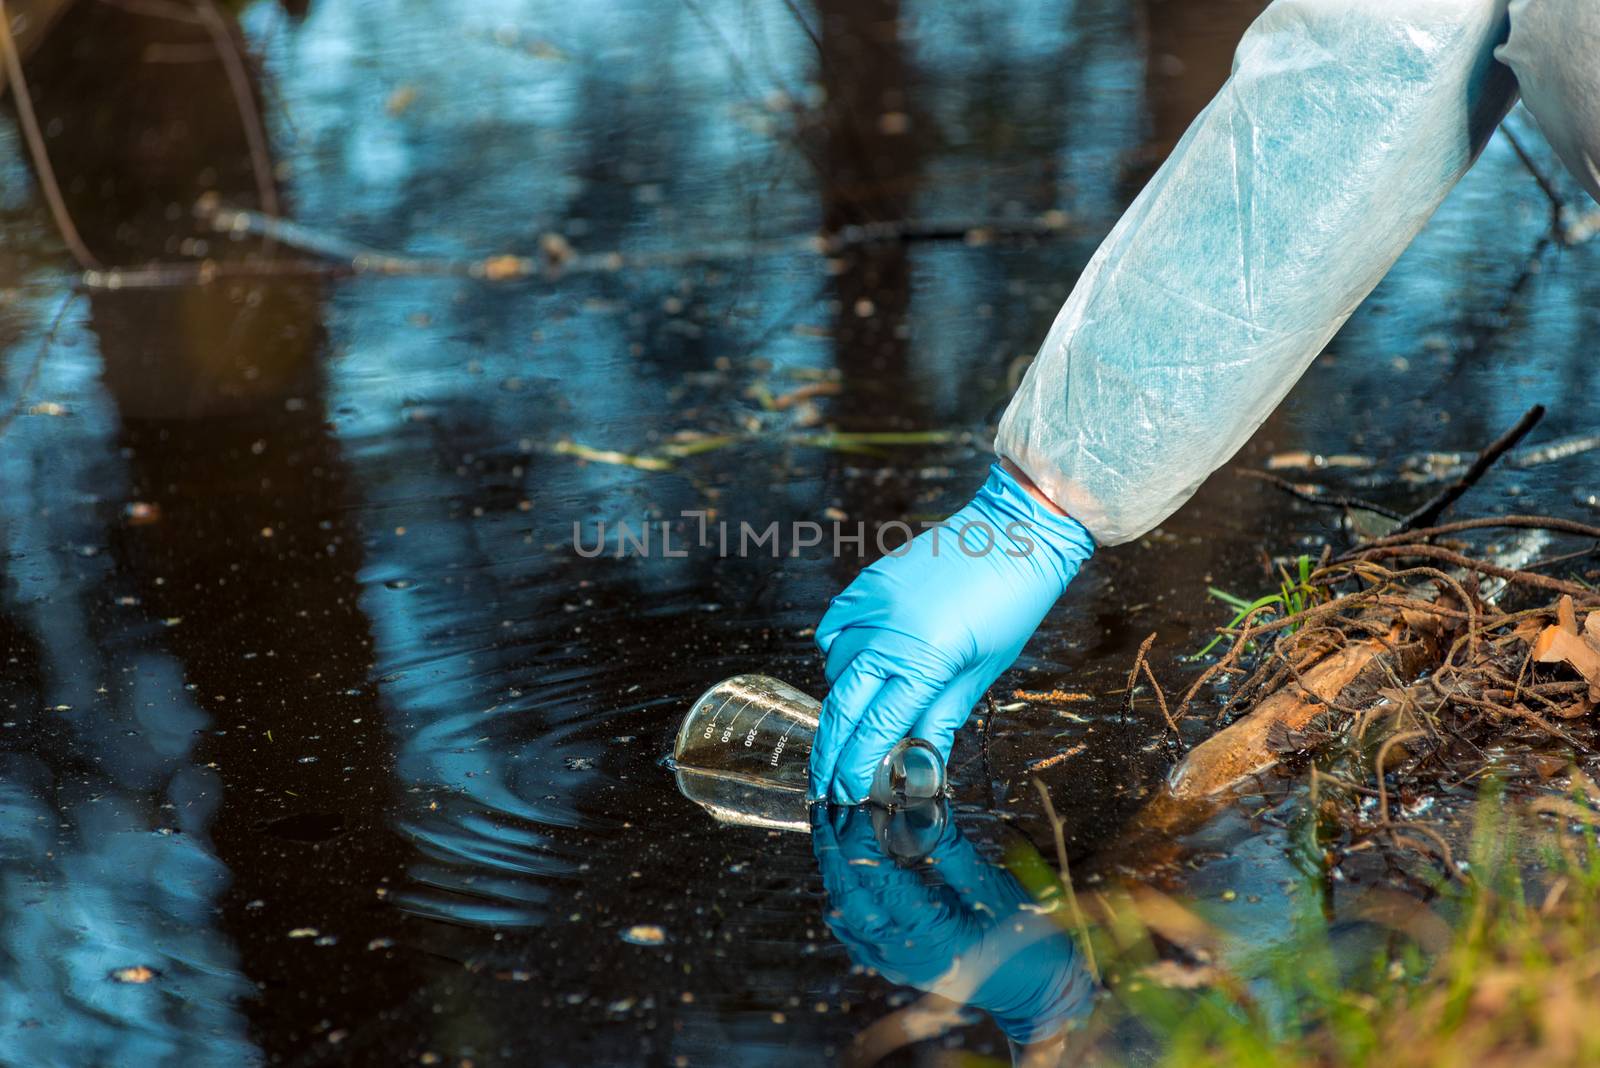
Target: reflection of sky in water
[{"x": 528, "y": 708}]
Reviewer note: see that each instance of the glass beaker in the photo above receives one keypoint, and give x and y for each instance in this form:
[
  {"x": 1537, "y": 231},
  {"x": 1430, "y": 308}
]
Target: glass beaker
[{"x": 744, "y": 752}]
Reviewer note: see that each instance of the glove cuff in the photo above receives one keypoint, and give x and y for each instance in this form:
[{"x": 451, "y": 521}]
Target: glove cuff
[{"x": 1060, "y": 543}]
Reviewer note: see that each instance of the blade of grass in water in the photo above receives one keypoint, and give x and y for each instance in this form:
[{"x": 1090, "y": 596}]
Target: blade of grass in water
[
  {"x": 840, "y": 439},
  {"x": 1245, "y": 608},
  {"x": 611, "y": 456}
]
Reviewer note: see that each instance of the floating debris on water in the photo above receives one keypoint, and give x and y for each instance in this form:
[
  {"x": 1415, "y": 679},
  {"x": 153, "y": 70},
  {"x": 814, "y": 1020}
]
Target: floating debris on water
[
  {"x": 645, "y": 934},
  {"x": 1550, "y": 451},
  {"x": 1055, "y": 697},
  {"x": 1301, "y": 460},
  {"x": 137, "y": 974},
  {"x": 1052, "y": 761}
]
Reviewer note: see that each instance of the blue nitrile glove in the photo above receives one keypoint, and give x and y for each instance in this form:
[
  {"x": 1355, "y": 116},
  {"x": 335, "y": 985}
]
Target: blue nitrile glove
[
  {"x": 953, "y": 925},
  {"x": 918, "y": 637}
]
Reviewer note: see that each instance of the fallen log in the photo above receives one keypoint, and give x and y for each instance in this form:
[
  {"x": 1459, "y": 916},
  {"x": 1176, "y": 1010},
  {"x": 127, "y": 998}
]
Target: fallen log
[
  {"x": 1323, "y": 696},
  {"x": 1348, "y": 678}
]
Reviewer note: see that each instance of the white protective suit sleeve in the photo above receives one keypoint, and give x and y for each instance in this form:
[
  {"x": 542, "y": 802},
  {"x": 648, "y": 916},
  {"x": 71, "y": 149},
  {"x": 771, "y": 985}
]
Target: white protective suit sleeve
[
  {"x": 1554, "y": 51},
  {"x": 1343, "y": 126}
]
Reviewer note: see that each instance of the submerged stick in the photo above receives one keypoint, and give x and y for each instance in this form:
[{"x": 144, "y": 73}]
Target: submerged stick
[{"x": 1243, "y": 748}]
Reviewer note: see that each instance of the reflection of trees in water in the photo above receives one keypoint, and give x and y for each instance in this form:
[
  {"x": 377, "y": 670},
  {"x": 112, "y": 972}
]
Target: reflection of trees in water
[
  {"x": 141, "y": 121},
  {"x": 1188, "y": 54},
  {"x": 249, "y": 653},
  {"x": 256, "y": 554},
  {"x": 105, "y": 856}
]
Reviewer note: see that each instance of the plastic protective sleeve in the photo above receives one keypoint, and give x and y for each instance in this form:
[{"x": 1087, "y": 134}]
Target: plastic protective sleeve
[{"x": 1342, "y": 127}]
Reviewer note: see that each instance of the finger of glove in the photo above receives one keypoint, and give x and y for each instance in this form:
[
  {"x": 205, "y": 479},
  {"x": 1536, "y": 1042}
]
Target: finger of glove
[
  {"x": 894, "y": 711},
  {"x": 843, "y": 708},
  {"x": 847, "y": 643},
  {"x": 946, "y": 715},
  {"x": 845, "y": 613}
]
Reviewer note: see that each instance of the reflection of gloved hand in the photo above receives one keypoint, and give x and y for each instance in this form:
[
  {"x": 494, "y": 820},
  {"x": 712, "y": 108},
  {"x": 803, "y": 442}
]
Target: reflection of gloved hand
[
  {"x": 918, "y": 637},
  {"x": 963, "y": 933}
]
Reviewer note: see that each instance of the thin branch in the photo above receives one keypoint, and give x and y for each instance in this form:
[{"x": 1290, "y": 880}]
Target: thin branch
[
  {"x": 1066, "y": 878},
  {"x": 1434, "y": 552},
  {"x": 1324, "y": 500},
  {"x": 1535, "y": 522},
  {"x": 1480, "y": 467}
]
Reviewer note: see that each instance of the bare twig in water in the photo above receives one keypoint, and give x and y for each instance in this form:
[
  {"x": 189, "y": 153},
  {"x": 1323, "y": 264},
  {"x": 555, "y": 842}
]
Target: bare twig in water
[
  {"x": 1059, "y": 831},
  {"x": 509, "y": 267},
  {"x": 1398, "y": 835},
  {"x": 36, "y": 149},
  {"x": 1535, "y": 522},
  {"x": 1434, "y": 552},
  {"x": 1480, "y": 467},
  {"x": 1133, "y": 674},
  {"x": 1161, "y": 700},
  {"x": 1324, "y": 500},
  {"x": 1226, "y": 664}
]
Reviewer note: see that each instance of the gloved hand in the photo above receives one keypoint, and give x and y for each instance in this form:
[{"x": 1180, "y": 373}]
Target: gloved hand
[
  {"x": 954, "y": 925},
  {"x": 918, "y": 637}
]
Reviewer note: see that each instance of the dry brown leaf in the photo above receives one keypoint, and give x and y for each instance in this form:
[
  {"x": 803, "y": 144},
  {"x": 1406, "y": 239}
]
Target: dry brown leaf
[
  {"x": 1528, "y": 630},
  {"x": 1556, "y": 645},
  {"x": 1566, "y": 616}
]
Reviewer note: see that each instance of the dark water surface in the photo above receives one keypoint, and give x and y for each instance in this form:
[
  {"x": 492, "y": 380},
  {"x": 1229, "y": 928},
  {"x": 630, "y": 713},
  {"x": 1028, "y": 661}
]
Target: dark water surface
[{"x": 311, "y": 707}]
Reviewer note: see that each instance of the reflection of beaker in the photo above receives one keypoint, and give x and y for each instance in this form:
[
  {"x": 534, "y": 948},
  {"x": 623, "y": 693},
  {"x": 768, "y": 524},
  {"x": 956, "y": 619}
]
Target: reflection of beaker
[{"x": 744, "y": 751}]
